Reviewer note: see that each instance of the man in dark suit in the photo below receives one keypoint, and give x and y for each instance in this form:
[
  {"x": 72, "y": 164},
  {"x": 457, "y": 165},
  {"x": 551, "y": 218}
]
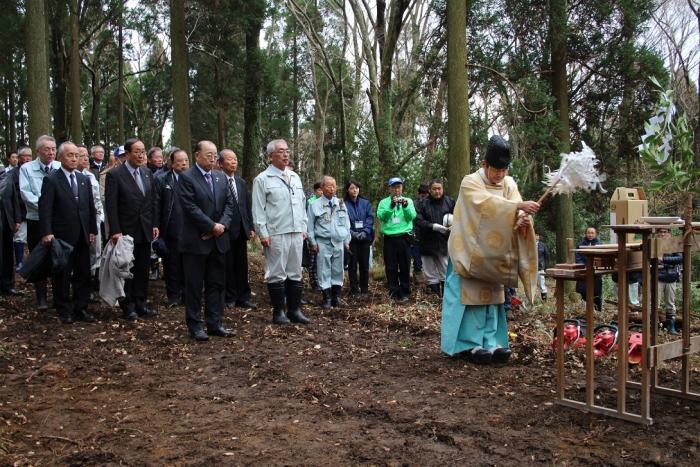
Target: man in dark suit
[
  {"x": 10, "y": 220},
  {"x": 67, "y": 212},
  {"x": 207, "y": 206},
  {"x": 129, "y": 209},
  {"x": 97, "y": 160},
  {"x": 168, "y": 219},
  {"x": 241, "y": 230}
]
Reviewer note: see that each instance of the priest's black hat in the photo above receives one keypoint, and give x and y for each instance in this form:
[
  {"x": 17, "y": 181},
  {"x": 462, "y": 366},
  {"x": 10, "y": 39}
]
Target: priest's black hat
[{"x": 498, "y": 153}]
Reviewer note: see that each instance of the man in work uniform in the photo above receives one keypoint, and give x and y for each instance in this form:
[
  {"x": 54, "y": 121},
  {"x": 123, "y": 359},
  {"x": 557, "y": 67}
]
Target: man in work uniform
[
  {"x": 279, "y": 218},
  {"x": 329, "y": 234},
  {"x": 491, "y": 245}
]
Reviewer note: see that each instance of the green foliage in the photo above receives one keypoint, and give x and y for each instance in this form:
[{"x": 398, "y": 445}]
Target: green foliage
[{"x": 667, "y": 147}]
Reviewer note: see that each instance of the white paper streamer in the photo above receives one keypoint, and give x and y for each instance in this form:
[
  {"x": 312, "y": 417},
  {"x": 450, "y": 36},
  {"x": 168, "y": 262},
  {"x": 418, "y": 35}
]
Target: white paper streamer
[{"x": 577, "y": 171}]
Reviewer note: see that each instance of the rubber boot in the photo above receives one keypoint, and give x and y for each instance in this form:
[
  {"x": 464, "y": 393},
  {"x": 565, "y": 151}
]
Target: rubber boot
[
  {"x": 294, "y": 291},
  {"x": 41, "y": 302},
  {"x": 277, "y": 297},
  {"x": 544, "y": 296},
  {"x": 671, "y": 325},
  {"x": 442, "y": 288},
  {"x": 434, "y": 288},
  {"x": 335, "y": 295},
  {"x": 326, "y": 302}
]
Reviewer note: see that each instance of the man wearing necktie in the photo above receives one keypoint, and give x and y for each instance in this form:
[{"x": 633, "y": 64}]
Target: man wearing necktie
[
  {"x": 207, "y": 207},
  {"x": 31, "y": 178},
  {"x": 168, "y": 218},
  {"x": 67, "y": 212},
  {"x": 329, "y": 234},
  {"x": 97, "y": 160},
  {"x": 241, "y": 230},
  {"x": 279, "y": 218},
  {"x": 129, "y": 209}
]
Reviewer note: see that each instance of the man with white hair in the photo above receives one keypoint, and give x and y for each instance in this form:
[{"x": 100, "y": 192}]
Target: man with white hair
[
  {"x": 279, "y": 218},
  {"x": 68, "y": 213},
  {"x": 329, "y": 234},
  {"x": 31, "y": 178}
]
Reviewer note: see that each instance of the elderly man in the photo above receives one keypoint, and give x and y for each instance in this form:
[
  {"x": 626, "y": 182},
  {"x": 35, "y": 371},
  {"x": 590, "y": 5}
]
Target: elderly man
[
  {"x": 207, "y": 207},
  {"x": 67, "y": 212},
  {"x": 168, "y": 219},
  {"x": 10, "y": 220},
  {"x": 96, "y": 246},
  {"x": 129, "y": 209},
  {"x": 279, "y": 217},
  {"x": 329, "y": 233},
  {"x": 433, "y": 234},
  {"x": 155, "y": 159},
  {"x": 97, "y": 160},
  {"x": 31, "y": 177},
  {"x": 396, "y": 214},
  {"x": 492, "y": 243},
  {"x": 237, "y": 286},
  {"x": 25, "y": 156}
]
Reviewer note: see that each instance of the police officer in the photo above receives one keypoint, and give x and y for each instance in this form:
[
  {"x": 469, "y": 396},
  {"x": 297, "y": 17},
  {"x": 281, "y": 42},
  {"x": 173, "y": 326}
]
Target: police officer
[
  {"x": 329, "y": 233},
  {"x": 279, "y": 218}
]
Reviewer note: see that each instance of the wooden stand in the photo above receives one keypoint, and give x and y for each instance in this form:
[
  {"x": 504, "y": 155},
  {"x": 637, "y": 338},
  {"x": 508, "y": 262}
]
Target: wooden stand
[{"x": 653, "y": 353}]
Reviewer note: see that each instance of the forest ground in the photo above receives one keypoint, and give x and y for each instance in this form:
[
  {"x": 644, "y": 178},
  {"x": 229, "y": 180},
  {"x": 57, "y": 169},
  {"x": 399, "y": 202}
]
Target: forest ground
[{"x": 364, "y": 384}]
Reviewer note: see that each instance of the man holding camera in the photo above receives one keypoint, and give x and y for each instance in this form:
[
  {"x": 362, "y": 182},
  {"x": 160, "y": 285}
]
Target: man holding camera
[{"x": 396, "y": 215}]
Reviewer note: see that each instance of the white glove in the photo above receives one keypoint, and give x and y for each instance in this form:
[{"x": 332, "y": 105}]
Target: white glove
[{"x": 440, "y": 228}]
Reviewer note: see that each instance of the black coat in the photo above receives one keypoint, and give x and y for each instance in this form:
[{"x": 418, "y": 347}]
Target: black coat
[
  {"x": 167, "y": 208},
  {"x": 431, "y": 211},
  {"x": 9, "y": 205},
  {"x": 242, "y": 216},
  {"x": 128, "y": 211},
  {"x": 201, "y": 209},
  {"x": 61, "y": 215},
  {"x": 668, "y": 268}
]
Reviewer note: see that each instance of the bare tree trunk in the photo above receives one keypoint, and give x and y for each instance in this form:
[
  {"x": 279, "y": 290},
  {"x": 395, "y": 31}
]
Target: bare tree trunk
[
  {"x": 457, "y": 99},
  {"x": 220, "y": 110},
  {"x": 120, "y": 78},
  {"x": 11, "y": 121},
  {"x": 37, "y": 70},
  {"x": 180, "y": 67},
  {"x": 558, "y": 33},
  {"x": 434, "y": 131},
  {"x": 76, "y": 132},
  {"x": 295, "y": 99},
  {"x": 252, "y": 92}
]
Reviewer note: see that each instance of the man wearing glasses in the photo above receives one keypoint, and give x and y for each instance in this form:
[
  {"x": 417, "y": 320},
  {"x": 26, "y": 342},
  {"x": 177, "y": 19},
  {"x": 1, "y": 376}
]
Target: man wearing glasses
[
  {"x": 129, "y": 209},
  {"x": 279, "y": 218}
]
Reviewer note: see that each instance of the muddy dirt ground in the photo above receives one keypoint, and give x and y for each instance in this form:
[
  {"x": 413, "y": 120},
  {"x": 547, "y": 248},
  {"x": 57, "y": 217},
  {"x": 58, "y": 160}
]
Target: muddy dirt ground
[{"x": 364, "y": 384}]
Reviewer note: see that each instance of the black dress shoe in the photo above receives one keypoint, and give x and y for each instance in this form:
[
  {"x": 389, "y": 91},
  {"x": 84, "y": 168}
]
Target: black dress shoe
[
  {"x": 501, "y": 355},
  {"x": 129, "y": 314},
  {"x": 84, "y": 315},
  {"x": 145, "y": 312},
  {"x": 247, "y": 304},
  {"x": 199, "y": 335},
  {"x": 481, "y": 356},
  {"x": 220, "y": 332},
  {"x": 66, "y": 318}
]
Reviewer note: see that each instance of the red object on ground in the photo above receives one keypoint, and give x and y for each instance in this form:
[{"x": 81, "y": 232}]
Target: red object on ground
[{"x": 605, "y": 340}]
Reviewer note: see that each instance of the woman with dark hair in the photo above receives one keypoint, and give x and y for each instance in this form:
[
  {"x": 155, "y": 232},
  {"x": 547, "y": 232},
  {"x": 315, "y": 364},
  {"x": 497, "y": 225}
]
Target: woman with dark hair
[{"x": 362, "y": 233}]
